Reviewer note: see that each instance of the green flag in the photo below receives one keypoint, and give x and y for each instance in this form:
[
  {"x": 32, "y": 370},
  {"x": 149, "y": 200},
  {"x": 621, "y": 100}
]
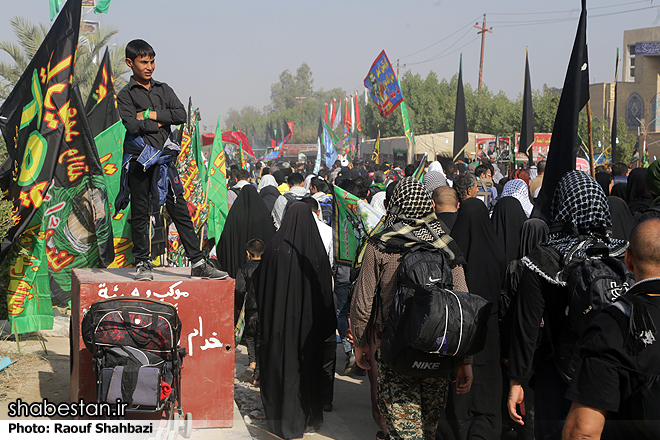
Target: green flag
[
  {"x": 109, "y": 145},
  {"x": 354, "y": 220},
  {"x": 406, "y": 126},
  {"x": 101, "y": 6},
  {"x": 217, "y": 187},
  {"x": 55, "y": 8},
  {"x": 28, "y": 299}
]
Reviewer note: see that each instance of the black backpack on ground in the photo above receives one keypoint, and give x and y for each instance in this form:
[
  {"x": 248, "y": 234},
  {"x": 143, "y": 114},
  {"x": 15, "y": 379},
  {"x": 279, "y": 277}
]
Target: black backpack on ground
[
  {"x": 594, "y": 284},
  {"x": 429, "y": 324}
]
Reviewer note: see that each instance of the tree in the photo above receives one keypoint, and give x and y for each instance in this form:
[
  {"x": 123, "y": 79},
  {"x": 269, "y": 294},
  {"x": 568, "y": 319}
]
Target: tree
[
  {"x": 284, "y": 105},
  {"x": 90, "y": 47}
]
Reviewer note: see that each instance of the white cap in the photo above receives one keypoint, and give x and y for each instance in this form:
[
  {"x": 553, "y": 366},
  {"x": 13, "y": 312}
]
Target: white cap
[{"x": 344, "y": 162}]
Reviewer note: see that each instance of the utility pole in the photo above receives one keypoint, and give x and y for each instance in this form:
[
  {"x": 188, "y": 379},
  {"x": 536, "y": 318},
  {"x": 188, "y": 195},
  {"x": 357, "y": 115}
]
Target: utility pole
[
  {"x": 300, "y": 100},
  {"x": 399, "y": 67},
  {"x": 482, "y": 31}
]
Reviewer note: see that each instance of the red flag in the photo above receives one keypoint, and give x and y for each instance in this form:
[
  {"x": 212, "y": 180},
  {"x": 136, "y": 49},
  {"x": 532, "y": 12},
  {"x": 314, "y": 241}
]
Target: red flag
[
  {"x": 358, "y": 123},
  {"x": 238, "y": 138},
  {"x": 326, "y": 113},
  {"x": 347, "y": 115}
]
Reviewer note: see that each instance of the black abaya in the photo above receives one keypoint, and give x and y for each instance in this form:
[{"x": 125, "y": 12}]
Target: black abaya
[
  {"x": 638, "y": 197},
  {"x": 296, "y": 316},
  {"x": 248, "y": 218},
  {"x": 478, "y": 414},
  {"x": 508, "y": 218}
]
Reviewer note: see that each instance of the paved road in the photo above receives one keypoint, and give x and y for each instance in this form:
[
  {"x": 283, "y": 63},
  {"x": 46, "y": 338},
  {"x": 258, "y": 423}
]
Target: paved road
[{"x": 350, "y": 418}]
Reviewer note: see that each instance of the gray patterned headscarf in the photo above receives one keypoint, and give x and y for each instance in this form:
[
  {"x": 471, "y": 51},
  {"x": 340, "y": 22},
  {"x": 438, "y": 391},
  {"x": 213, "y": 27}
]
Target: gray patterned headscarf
[{"x": 433, "y": 180}]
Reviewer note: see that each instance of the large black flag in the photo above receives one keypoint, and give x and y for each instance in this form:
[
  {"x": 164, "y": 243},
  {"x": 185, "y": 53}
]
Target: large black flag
[
  {"x": 460, "y": 119},
  {"x": 101, "y": 107},
  {"x": 255, "y": 139},
  {"x": 527, "y": 130},
  {"x": 77, "y": 211},
  {"x": 616, "y": 82},
  {"x": 564, "y": 142},
  {"x": 34, "y": 120},
  {"x": 269, "y": 138},
  {"x": 278, "y": 135}
]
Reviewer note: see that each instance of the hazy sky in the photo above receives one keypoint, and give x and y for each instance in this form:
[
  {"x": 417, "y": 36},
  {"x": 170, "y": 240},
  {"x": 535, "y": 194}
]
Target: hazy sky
[{"x": 227, "y": 54}]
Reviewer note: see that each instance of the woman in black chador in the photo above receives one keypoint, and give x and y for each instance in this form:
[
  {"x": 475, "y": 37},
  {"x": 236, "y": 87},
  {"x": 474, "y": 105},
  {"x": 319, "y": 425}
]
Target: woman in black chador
[{"x": 296, "y": 312}]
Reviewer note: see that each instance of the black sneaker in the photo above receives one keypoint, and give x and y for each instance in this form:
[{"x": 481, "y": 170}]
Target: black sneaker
[
  {"x": 206, "y": 270},
  {"x": 143, "y": 269},
  {"x": 351, "y": 365}
]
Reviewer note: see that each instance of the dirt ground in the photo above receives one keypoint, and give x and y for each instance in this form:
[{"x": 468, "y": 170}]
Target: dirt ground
[{"x": 34, "y": 374}]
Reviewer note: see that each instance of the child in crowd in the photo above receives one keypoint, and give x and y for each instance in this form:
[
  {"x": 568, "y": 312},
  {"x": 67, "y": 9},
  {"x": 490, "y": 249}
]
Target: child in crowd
[{"x": 245, "y": 297}]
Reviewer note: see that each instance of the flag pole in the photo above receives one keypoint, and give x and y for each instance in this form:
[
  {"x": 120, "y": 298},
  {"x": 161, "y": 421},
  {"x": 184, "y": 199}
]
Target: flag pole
[{"x": 592, "y": 168}]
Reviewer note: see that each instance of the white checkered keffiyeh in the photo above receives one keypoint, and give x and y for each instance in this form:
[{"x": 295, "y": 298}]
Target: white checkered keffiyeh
[{"x": 517, "y": 188}]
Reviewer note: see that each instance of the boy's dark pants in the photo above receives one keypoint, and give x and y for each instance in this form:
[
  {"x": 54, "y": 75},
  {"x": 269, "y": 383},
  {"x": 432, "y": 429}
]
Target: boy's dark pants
[{"x": 139, "y": 182}]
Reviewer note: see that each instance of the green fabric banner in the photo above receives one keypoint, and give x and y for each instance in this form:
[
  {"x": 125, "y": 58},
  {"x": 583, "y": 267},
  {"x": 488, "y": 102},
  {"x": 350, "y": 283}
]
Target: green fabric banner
[{"x": 217, "y": 185}]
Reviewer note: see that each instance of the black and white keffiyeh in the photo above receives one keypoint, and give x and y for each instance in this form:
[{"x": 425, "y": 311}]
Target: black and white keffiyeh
[
  {"x": 518, "y": 189},
  {"x": 580, "y": 219},
  {"x": 410, "y": 220}
]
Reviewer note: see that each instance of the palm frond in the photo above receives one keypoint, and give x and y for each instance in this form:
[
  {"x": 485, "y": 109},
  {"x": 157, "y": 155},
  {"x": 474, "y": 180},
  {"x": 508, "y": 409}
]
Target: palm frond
[{"x": 29, "y": 36}]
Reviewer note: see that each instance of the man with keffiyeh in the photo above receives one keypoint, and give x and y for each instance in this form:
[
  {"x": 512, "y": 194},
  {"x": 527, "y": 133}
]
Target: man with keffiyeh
[
  {"x": 411, "y": 407},
  {"x": 619, "y": 354}
]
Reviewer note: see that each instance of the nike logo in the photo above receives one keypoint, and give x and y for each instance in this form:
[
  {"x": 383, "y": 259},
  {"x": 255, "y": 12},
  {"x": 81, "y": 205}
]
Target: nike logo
[{"x": 434, "y": 281}]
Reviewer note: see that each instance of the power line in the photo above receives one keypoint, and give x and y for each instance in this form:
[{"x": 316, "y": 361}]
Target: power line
[
  {"x": 440, "y": 41},
  {"x": 567, "y": 11},
  {"x": 445, "y": 50},
  {"x": 504, "y": 24},
  {"x": 447, "y": 54}
]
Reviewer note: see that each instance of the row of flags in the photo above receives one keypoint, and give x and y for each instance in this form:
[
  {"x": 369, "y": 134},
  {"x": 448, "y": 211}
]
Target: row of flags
[{"x": 352, "y": 120}]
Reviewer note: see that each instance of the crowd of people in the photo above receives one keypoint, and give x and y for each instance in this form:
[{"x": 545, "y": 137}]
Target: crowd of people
[{"x": 278, "y": 243}]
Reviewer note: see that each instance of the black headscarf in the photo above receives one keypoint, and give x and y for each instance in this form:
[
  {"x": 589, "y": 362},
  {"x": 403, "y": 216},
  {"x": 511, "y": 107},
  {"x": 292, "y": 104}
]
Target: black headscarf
[
  {"x": 296, "y": 315},
  {"x": 622, "y": 219},
  {"x": 533, "y": 232},
  {"x": 475, "y": 236},
  {"x": 279, "y": 177},
  {"x": 604, "y": 179},
  {"x": 620, "y": 190},
  {"x": 638, "y": 197},
  {"x": 248, "y": 218},
  {"x": 508, "y": 218}
]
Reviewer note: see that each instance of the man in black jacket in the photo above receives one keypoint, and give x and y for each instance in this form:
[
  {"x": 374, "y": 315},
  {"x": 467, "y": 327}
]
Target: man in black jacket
[
  {"x": 617, "y": 357},
  {"x": 148, "y": 108}
]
